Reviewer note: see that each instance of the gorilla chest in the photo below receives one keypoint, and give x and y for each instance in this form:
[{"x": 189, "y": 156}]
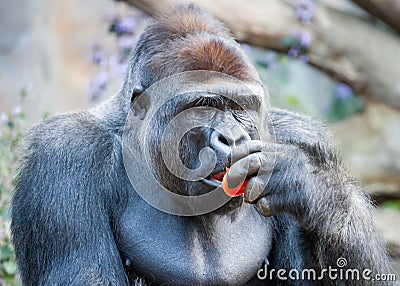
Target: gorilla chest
[{"x": 214, "y": 250}]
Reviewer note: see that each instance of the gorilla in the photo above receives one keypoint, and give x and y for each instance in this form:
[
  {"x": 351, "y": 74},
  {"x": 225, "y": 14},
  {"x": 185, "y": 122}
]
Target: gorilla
[{"x": 79, "y": 216}]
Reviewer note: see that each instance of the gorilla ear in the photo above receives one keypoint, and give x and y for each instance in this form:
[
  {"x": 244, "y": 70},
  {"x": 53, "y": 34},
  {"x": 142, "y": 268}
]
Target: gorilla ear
[{"x": 139, "y": 102}]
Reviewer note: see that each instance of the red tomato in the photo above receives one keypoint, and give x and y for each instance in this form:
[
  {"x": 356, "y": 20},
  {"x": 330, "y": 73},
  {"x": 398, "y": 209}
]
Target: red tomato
[{"x": 233, "y": 192}]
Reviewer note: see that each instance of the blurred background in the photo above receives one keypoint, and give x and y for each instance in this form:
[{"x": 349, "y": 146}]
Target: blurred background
[{"x": 336, "y": 60}]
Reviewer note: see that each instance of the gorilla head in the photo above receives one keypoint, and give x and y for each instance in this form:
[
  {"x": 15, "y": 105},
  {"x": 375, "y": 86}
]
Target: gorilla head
[{"x": 192, "y": 119}]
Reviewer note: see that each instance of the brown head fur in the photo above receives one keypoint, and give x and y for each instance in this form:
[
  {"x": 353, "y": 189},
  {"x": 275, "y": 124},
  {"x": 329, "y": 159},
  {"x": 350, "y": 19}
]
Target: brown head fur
[{"x": 188, "y": 39}]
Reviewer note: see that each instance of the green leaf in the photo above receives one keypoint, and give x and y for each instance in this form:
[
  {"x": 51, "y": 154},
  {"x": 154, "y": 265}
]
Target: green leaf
[
  {"x": 10, "y": 267},
  {"x": 395, "y": 205},
  {"x": 292, "y": 101},
  {"x": 46, "y": 115},
  {"x": 6, "y": 252},
  {"x": 10, "y": 124},
  {"x": 343, "y": 108},
  {"x": 288, "y": 41}
]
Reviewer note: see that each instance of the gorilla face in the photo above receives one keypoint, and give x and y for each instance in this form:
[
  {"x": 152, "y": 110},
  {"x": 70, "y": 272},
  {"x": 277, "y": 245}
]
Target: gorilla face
[
  {"x": 191, "y": 135},
  {"x": 231, "y": 125}
]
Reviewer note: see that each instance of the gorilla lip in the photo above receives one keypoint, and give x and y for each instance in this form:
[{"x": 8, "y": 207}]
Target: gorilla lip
[
  {"x": 215, "y": 180},
  {"x": 218, "y": 176}
]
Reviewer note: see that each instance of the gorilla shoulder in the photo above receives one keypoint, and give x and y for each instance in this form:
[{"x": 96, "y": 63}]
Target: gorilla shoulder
[{"x": 80, "y": 131}]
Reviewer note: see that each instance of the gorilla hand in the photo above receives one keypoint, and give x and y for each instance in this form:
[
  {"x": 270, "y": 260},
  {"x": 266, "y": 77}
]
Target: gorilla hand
[{"x": 276, "y": 176}]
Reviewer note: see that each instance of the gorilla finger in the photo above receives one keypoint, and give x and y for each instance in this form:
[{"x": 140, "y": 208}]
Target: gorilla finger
[
  {"x": 246, "y": 167},
  {"x": 264, "y": 207},
  {"x": 256, "y": 188},
  {"x": 244, "y": 150}
]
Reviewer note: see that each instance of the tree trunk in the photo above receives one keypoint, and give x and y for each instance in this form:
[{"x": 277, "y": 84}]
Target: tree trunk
[
  {"x": 386, "y": 10},
  {"x": 369, "y": 145},
  {"x": 343, "y": 46}
]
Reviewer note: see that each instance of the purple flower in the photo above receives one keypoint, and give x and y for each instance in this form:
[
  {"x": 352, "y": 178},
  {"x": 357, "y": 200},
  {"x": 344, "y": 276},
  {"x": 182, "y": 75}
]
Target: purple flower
[
  {"x": 114, "y": 60},
  {"x": 96, "y": 56},
  {"x": 293, "y": 52},
  {"x": 304, "y": 59},
  {"x": 126, "y": 25},
  {"x": 303, "y": 15},
  {"x": 117, "y": 65},
  {"x": 303, "y": 37},
  {"x": 126, "y": 44},
  {"x": 343, "y": 91},
  {"x": 17, "y": 110},
  {"x": 3, "y": 118},
  {"x": 120, "y": 69},
  {"x": 304, "y": 10},
  {"x": 270, "y": 60},
  {"x": 97, "y": 85}
]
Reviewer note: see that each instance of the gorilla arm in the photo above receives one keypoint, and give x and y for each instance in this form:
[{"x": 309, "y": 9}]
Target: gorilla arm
[
  {"x": 62, "y": 218},
  {"x": 312, "y": 197},
  {"x": 333, "y": 211}
]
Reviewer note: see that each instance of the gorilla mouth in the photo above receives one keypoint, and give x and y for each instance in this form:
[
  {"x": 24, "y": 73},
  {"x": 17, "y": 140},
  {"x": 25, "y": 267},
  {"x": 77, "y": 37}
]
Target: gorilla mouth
[{"x": 215, "y": 180}]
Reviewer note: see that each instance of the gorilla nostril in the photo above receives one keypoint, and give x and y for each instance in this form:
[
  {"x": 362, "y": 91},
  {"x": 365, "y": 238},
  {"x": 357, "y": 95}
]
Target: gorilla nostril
[
  {"x": 223, "y": 140},
  {"x": 219, "y": 143}
]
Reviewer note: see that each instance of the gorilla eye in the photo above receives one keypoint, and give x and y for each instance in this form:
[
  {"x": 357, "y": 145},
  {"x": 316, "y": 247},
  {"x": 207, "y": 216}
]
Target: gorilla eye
[
  {"x": 216, "y": 102},
  {"x": 238, "y": 107}
]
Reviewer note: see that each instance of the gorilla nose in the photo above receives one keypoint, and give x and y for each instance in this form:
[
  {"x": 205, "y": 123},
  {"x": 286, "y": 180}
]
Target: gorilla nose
[{"x": 223, "y": 142}]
